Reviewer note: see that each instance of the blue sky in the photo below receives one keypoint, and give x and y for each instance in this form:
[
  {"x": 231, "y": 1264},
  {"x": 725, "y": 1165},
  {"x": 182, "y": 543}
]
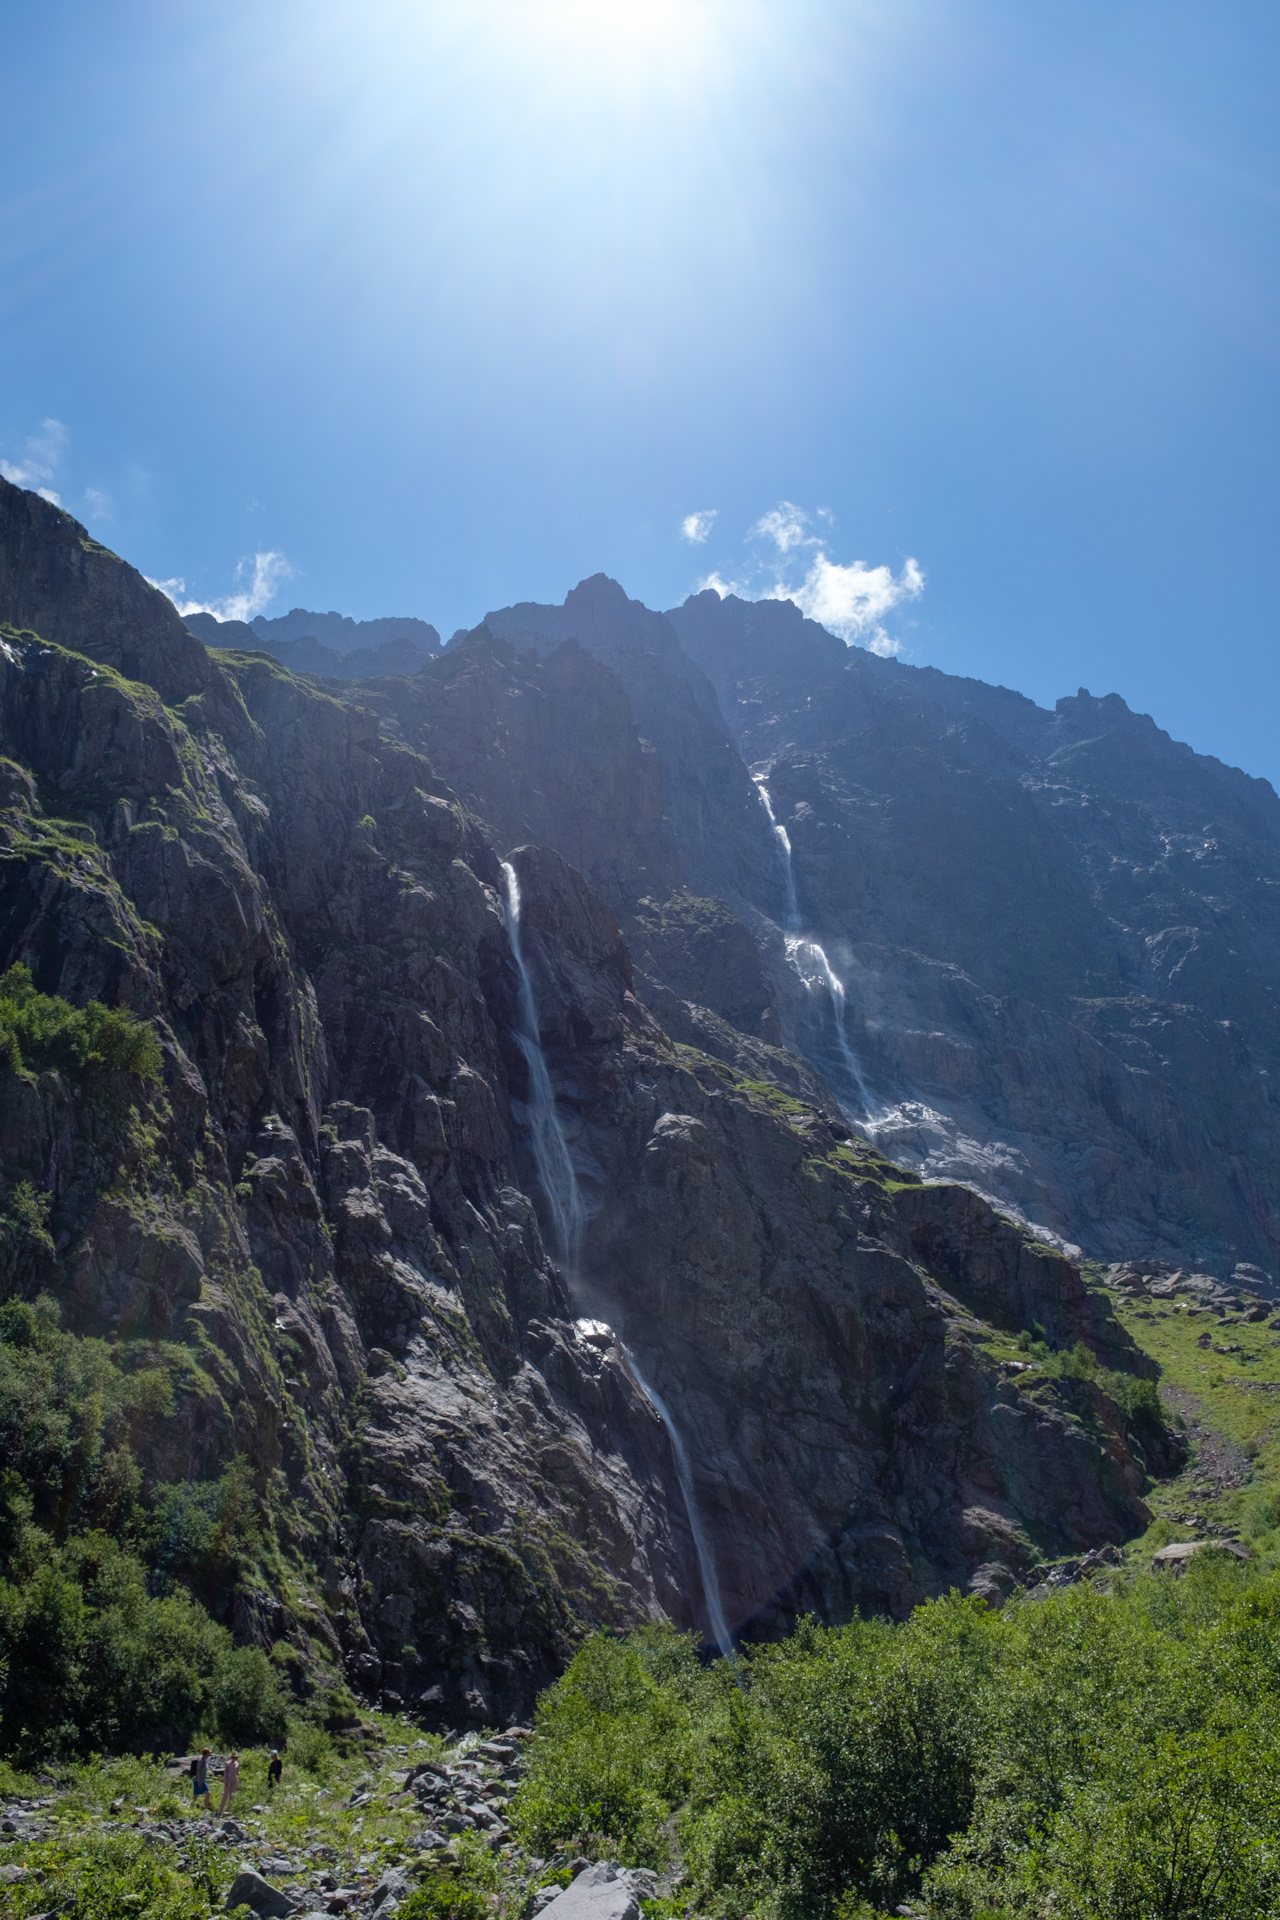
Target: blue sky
[{"x": 446, "y": 303}]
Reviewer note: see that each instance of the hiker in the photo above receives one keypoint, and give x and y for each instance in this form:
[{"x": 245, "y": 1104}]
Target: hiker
[
  {"x": 200, "y": 1779},
  {"x": 230, "y": 1781},
  {"x": 275, "y": 1770}
]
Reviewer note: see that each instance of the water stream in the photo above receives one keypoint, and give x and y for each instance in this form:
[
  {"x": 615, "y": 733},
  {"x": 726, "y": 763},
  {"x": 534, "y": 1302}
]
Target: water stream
[
  {"x": 551, "y": 1154},
  {"x": 563, "y": 1196},
  {"x": 817, "y": 974},
  {"x": 701, "y": 1545},
  {"x": 783, "y": 839}
]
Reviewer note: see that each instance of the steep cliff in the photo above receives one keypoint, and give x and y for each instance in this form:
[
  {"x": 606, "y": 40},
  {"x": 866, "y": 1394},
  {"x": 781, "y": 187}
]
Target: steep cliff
[
  {"x": 1059, "y": 931},
  {"x": 320, "y": 1214}
]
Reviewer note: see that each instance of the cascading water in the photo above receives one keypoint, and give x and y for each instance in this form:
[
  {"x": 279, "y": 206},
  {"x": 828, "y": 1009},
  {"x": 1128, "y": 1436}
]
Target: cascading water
[
  {"x": 560, "y": 1188},
  {"x": 783, "y": 839},
  {"x": 816, "y": 972},
  {"x": 701, "y": 1545},
  {"x": 551, "y": 1154}
]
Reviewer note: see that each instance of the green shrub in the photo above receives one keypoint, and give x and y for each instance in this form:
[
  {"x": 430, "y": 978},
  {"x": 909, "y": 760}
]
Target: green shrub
[
  {"x": 248, "y": 1703},
  {"x": 39, "y": 1031},
  {"x": 104, "y": 1640},
  {"x": 203, "y": 1534},
  {"x": 1095, "y": 1755},
  {"x": 610, "y": 1756},
  {"x": 116, "y": 1876},
  {"x": 443, "y": 1897},
  {"x": 311, "y": 1749}
]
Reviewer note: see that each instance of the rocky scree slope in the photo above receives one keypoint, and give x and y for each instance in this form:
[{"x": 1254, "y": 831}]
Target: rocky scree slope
[{"x": 323, "y": 1219}]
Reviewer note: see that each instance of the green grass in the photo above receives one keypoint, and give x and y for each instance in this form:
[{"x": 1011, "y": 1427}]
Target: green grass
[
  {"x": 1236, "y": 1395},
  {"x": 98, "y": 1865}
]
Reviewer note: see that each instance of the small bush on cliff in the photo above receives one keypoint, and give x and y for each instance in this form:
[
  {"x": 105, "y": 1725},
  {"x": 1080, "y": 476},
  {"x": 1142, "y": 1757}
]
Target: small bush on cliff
[{"x": 39, "y": 1031}]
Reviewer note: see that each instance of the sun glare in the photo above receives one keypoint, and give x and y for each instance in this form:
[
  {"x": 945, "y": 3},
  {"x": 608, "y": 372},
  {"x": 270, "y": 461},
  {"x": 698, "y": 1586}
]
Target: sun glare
[{"x": 619, "y": 37}]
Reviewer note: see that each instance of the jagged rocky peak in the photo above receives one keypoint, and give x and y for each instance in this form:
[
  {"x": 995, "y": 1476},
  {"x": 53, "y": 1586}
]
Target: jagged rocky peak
[{"x": 330, "y": 644}]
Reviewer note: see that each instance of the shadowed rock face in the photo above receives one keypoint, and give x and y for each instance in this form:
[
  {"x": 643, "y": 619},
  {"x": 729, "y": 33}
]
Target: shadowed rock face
[
  {"x": 331, "y": 1199},
  {"x": 1060, "y": 932},
  {"x": 810, "y": 1321}
]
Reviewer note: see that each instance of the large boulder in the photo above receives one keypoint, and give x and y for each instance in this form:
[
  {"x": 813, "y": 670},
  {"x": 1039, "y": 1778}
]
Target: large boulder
[
  {"x": 249, "y": 1889},
  {"x": 602, "y": 1892}
]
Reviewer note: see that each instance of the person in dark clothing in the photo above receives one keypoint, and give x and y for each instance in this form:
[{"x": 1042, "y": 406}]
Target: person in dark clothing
[
  {"x": 275, "y": 1770},
  {"x": 200, "y": 1781}
]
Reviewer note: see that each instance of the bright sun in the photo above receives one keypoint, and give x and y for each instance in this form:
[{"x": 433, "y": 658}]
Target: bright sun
[{"x": 616, "y": 34}]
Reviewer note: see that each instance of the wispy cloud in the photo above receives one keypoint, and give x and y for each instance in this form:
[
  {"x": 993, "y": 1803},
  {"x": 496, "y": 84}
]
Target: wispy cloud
[
  {"x": 258, "y": 580},
  {"x": 785, "y": 525},
  {"x": 696, "y": 526},
  {"x": 849, "y": 600},
  {"x": 38, "y": 465}
]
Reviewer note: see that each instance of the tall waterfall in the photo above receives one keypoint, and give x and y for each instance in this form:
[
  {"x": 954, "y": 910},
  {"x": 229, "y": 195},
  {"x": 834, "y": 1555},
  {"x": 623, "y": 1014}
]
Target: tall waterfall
[
  {"x": 816, "y": 972},
  {"x": 783, "y": 839},
  {"x": 560, "y": 1188},
  {"x": 701, "y": 1545},
  {"x": 551, "y": 1155}
]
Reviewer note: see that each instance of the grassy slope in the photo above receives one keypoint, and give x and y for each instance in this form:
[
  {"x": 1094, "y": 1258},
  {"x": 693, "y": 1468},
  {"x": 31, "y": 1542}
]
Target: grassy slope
[{"x": 1228, "y": 1394}]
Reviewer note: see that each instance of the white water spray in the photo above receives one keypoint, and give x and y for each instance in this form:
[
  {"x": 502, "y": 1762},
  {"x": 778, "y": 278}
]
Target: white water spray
[
  {"x": 816, "y": 972},
  {"x": 783, "y": 839},
  {"x": 701, "y": 1545},
  {"x": 551, "y": 1155}
]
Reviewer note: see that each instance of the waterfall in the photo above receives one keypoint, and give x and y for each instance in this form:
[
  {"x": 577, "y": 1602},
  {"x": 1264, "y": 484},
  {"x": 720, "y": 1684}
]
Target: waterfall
[
  {"x": 816, "y": 972},
  {"x": 701, "y": 1545},
  {"x": 551, "y": 1155},
  {"x": 783, "y": 839},
  {"x": 563, "y": 1196}
]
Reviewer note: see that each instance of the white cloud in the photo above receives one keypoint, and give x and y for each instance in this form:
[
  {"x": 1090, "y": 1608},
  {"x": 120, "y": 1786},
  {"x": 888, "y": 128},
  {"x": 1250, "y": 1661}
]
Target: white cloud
[
  {"x": 851, "y": 601},
  {"x": 785, "y": 526},
  {"x": 258, "y": 581},
  {"x": 41, "y": 456},
  {"x": 696, "y": 526},
  {"x": 98, "y": 504}
]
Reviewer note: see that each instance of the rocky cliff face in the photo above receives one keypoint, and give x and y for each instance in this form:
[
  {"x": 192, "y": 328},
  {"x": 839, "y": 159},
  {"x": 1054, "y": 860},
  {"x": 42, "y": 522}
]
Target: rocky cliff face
[
  {"x": 1060, "y": 933},
  {"x": 1056, "y": 933},
  {"x": 326, "y": 1217}
]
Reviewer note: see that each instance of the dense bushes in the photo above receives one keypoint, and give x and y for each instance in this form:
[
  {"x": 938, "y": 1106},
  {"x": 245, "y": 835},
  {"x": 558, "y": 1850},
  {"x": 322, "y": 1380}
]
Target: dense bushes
[
  {"x": 39, "y": 1030},
  {"x": 1115, "y": 1757},
  {"x": 90, "y": 1661},
  {"x": 104, "y": 1640}
]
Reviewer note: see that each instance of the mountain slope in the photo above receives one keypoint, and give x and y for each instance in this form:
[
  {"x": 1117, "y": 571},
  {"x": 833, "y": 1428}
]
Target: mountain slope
[{"x": 1060, "y": 932}]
